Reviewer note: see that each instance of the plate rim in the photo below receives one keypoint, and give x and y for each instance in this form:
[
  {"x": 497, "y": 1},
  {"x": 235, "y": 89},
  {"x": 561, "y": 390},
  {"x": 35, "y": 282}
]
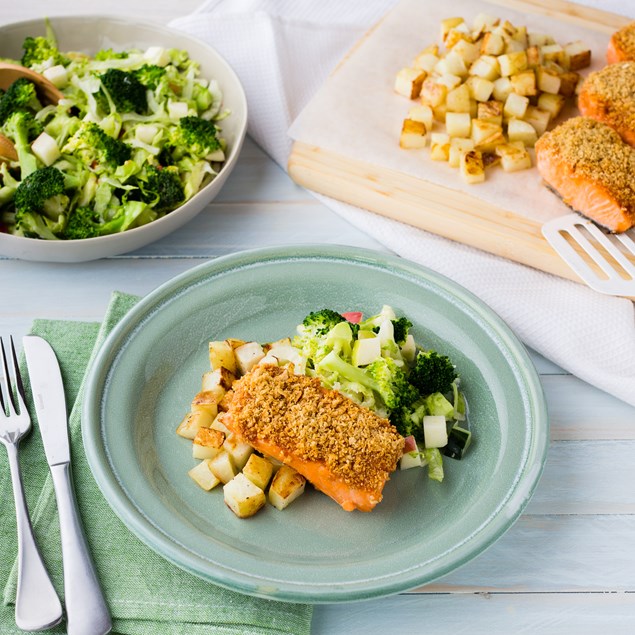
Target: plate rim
[{"x": 498, "y": 523}]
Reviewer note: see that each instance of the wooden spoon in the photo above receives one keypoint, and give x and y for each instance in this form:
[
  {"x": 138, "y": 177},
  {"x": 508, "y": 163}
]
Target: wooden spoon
[{"x": 47, "y": 92}]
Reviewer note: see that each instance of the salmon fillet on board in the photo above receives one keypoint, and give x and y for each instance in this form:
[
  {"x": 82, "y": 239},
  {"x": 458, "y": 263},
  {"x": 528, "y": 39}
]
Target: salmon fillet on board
[
  {"x": 608, "y": 95},
  {"x": 591, "y": 169},
  {"x": 344, "y": 450},
  {"x": 621, "y": 46}
]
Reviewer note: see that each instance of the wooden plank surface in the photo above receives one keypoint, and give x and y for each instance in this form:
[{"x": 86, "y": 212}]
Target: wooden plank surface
[{"x": 454, "y": 214}]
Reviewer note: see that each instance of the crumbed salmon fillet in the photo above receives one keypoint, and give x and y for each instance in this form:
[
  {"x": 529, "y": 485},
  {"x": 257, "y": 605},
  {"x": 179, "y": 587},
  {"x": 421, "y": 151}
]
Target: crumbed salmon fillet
[
  {"x": 608, "y": 95},
  {"x": 344, "y": 450},
  {"x": 621, "y": 46},
  {"x": 592, "y": 169}
]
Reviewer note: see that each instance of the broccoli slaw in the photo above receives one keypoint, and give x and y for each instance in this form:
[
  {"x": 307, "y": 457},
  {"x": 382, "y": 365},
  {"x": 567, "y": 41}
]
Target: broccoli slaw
[{"x": 134, "y": 136}]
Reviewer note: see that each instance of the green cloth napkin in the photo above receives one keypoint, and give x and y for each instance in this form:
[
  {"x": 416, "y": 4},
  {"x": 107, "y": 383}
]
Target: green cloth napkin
[{"x": 147, "y": 595}]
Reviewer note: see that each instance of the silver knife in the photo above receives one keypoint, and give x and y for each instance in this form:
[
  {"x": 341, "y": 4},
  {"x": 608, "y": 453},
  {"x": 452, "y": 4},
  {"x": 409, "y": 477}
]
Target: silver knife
[{"x": 86, "y": 609}]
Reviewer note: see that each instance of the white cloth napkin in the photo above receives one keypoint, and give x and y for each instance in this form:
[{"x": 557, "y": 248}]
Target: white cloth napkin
[{"x": 283, "y": 50}]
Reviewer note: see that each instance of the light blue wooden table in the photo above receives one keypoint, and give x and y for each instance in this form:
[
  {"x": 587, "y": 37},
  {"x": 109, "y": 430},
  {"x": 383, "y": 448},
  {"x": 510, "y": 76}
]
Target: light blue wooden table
[{"x": 567, "y": 565}]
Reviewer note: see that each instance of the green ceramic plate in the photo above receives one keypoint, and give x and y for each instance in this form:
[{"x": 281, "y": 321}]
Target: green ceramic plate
[{"x": 150, "y": 367}]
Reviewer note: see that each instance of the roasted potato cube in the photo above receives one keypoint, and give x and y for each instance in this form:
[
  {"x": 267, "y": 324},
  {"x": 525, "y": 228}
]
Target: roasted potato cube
[
  {"x": 203, "y": 476},
  {"x": 468, "y": 51},
  {"x": 218, "y": 382},
  {"x": 193, "y": 422},
  {"x": 482, "y": 130},
  {"x": 207, "y": 443},
  {"x": 539, "y": 39},
  {"x": 218, "y": 424},
  {"x": 439, "y": 112},
  {"x": 458, "y": 100},
  {"x": 258, "y": 470},
  {"x": 538, "y": 117},
  {"x": 451, "y": 64},
  {"x": 426, "y": 61},
  {"x": 480, "y": 89},
  {"x": 486, "y": 66},
  {"x": 548, "y": 80},
  {"x": 502, "y": 89},
  {"x": 513, "y": 158},
  {"x": 432, "y": 93},
  {"x": 458, "y": 146},
  {"x": 489, "y": 144},
  {"x": 512, "y": 63},
  {"x": 513, "y": 46},
  {"x": 221, "y": 355},
  {"x": 439, "y": 146},
  {"x": 471, "y": 166},
  {"x": 506, "y": 29},
  {"x": 568, "y": 83},
  {"x": 454, "y": 36},
  {"x": 579, "y": 55},
  {"x": 247, "y": 356},
  {"x": 243, "y": 497},
  {"x": 285, "y": 487},
  {"x": 458, "y": 124},
  {"x": 534, "y": 59},
  {"x": 422, "y": 113},
  {"x": 413, "y": 134},
  {"x": 520, "y": 36},
  {"x": 484, "y": 22},
  {"x": 223, "y": 467},
  {"x": 515, "y": 106},
  {"x": 555, "y": 53},
  {"x": 205, "y": 400},
  {"x": 408, "y": 82},
  {"x": 234, "y": 342},
  {"x": 448, "y": 24},
  {"x": 238, "y": 450},
  {"x": 524, "y": 83},
  {"x": 448, "y": 80},
  {"x": 492, "y": 44},
  {"x": 519, "y": 130},
  {"x": 491, "y": 111},
  {"x": 553, "y": 104}
]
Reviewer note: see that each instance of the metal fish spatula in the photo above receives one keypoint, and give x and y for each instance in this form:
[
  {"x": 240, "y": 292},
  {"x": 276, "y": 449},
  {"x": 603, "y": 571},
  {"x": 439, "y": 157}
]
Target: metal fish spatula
[{"x": 606, "y": 262}]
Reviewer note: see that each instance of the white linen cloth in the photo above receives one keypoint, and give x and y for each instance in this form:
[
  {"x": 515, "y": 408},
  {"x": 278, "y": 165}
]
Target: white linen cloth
[{"x": 283, "y": 50}]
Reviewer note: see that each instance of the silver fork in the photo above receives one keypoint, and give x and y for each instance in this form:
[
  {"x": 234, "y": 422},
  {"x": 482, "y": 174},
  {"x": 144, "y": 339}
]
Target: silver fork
[{"x": 36, "y": 606}]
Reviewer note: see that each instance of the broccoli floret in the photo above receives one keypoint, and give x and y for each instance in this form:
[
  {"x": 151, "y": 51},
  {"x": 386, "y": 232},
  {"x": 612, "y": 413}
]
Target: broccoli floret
[
  {"x": 391, "y": 383},
  {"x": 162, "y": 188},
  {"x": 150, "y": 75},
  {"x": 40, "y": 194},
  {"x": 401, "y": 326},
  {"x": 197, "y": 136},
  {"x": 84, "y": 222},
  {"x": 20, "y": 96},
  {"x": 38, "y": 50},
  {"x": 166, "y": 156},
  {"x": 22, "y": 128},
  {"x": 93, "y": 144},
  {"x": 128, "y": 94},
  {"x": 321, "y": 322},
  {"x": 432, "y": 373},
  {"x": 110, "y": 54}
]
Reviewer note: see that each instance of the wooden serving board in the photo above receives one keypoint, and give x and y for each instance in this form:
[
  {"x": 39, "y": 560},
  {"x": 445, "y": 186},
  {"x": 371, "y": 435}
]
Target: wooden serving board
[{"x": 454, "y": 214}]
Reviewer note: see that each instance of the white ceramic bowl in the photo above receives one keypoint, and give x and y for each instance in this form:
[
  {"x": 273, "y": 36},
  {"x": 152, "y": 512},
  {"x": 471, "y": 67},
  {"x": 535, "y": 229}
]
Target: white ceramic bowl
[{"x": 90, "y": 34}]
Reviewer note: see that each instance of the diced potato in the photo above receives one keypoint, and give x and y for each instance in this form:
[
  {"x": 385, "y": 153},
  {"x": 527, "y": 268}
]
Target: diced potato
[
  {"x": 471, "y": 166},
  {"x": 486, "y": 66},
  {"x": 515, "y": 106},
  {"x": 468, "y": 51},
  {"x": 553, "y": 104},
  {"x": 519, "y": 130},
  {"x": 193, "y": 422},
  {"x": 491, "y": 111},
  {"x": 513, "y": 158},
  {"x": 482, "y": 130},
  {"x": 439, "y": 112},
  {"x": 422, "y": 113},
  {"x": 548, "y": 80},
  {"x": 513, "y": 46},
  {"x": 520, "y": 36},
  {"x": 458, "y": 100},
  {"x": 234, "y": 342},
  {"x": 285, "y": 487},
  {"x": 454, "y": 36},
  {"x": 538, "y": 117},
  {"x": 218, "y": 424},
  {"x": 448, "y": 80},
  {"x": 247, "y": 356},
  {"x": 458, "y": 124},
  {"x": 451, "y": 64},
  {"x": 489, "y": 144},
  {"x": 433, "y": 93},
  {"x": 221, "y": 355},
  {"x": 484, "y": 22},
  {"x": 524, "y": 83},
  {"x": 238, "y": 450},
  {"x": 534, "y": 58},
  {"x": 506, "y": 29},
  {"x": 512, "y": 63},
  {"x": 539, "y": 39},
  {"x": 492, "y": 44},
  {"x": 490, "y": 159},
  {"x": 413, "y": 134},
  {"x": 205, "y": 400},
  {"x": 243, "y": 497},
  {"x": 568, "y": 83},
  {"x": 579, "y": 55},
  {"x": 480, "y": 89},
  {"x": 285, "y": 353},
  {"x": 439, "y": 146},
  {"x": 448, "y": 24},
  {"x": 502, "y": 89},
  {"x": 554, "y": 53},
  {"x": 425, "y": 61},
  {"x": 218, "y": 382},
  {"x": 457, "y": 147},
  {"x": 408, "y": 82},
  {"x": 207, "y": 443},
  {"x": 258, "y": 470},
  {"x": 223, "y": 467},
  {"x": 203, "y": 476}
]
